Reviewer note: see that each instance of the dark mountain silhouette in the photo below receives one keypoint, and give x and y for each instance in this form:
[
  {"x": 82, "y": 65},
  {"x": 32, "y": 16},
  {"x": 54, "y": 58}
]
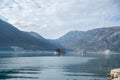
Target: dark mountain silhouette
[{"x": 11, "y": 39}]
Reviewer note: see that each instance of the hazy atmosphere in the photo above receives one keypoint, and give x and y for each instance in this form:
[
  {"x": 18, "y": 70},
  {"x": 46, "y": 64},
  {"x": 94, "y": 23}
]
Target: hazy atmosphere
[
  {"x": 54, "y": 18},
  {"x": 59, "y": 39}
]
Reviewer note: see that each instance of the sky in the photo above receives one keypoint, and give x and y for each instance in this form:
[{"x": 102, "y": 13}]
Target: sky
[{"x": 54, "y": 18}]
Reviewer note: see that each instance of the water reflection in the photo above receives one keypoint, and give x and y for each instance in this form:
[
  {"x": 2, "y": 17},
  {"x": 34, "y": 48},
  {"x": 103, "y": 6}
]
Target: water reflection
[
  {"x": 10, "y": 73},
  {"x": 99, "y": 67},
  {"x": 58, "y": 68}
]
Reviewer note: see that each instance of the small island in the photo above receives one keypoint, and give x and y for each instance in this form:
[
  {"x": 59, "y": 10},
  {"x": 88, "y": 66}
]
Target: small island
[{"x": 60, "y": 52}]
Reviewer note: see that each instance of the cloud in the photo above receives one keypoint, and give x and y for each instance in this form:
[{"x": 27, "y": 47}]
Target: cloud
[{"x": 53, "y": 18}]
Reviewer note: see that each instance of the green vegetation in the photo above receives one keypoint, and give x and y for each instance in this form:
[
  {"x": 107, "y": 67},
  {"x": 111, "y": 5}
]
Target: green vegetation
[{"x": 60, "y": 52}]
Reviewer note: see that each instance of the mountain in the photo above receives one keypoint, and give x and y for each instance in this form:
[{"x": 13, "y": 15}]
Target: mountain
[
  {"x": 13, "y": 39},
  {"x": 49, "y": 41},
  {"x": 96, "y": 39},
  {"x": 36, "y": 35}
]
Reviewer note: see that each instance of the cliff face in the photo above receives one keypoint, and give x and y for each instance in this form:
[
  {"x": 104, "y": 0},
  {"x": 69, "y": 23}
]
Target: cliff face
[{"x": 96, "y": 39}]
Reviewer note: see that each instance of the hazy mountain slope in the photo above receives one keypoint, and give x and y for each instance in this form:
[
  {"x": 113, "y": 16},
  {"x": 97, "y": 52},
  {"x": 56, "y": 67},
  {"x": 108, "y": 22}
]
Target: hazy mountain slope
[
  {"x": 96, "y": 39},
  {"x": 11, "y": 37},
  {"x": 49, "y": 41},
  {"x": 36, "y": 35}
]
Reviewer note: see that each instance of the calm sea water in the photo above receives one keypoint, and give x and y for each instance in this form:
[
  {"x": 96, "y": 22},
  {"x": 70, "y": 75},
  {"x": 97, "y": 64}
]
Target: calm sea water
[{"x": 47, "y": 68}]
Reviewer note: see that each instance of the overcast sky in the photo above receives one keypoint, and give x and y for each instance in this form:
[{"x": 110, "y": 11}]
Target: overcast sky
[{"x": 54, "y": 18}]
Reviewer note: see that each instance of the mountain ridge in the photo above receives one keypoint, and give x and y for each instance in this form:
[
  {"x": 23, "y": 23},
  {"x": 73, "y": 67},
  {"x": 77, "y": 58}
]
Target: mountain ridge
[
  {"x": 95, "y": 39},
  {"x": 11, "y": 37}
]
